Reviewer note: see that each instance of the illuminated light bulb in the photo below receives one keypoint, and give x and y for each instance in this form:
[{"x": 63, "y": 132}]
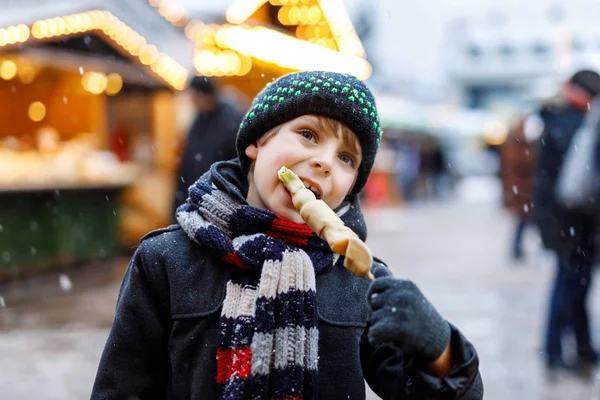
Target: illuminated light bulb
[
  {"x": 234, "y": 62},
  {"x": 70, "y": 20},
  {"x": 293, "y": 15},
  {"x": 13, "y": 34},
  {"x": 85, "y": 79},
  {"x": 223, "y": 64},
  {"x": 3, "y": 37},
  {"x": 220, "y": 38},
  {"x": 149, "y": 54},
  {"x": 246, "y": 65},
  {"x": 78, "y": 23},
  {"x": 26, "y": 73},
  {"x": 36, "y": 111},
  {"x": 114, "y": 84},
  {"x": 94, "y": 20},
  {"x": 61, "y": 26},
  {"x": 302, "y": 31},
  {"x": 208, "y": 60},
  {"x": 96, "y": 83},
  {"x": 52, "y": 27},
  {"x": 43, "y": 29},
  {"x": 303, "y": 17},
  {"x": 8, "y": 70},
  {"x": 35, "y": 31},
  {"x": 162, "y": 64},
  {"x": 138, "y": 46},
  {"x": 23, "y": 32},
  {"x": 314, "y": 14},
  {"x": 331, "y": 44},
  {"x": 87, "y": 21},
  {"x": 323, "y": 31}
]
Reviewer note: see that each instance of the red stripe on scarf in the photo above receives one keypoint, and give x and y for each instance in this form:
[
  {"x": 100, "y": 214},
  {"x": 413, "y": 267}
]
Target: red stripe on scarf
[
  {"x": 288, "y": 227},
  {"x": 294, "y": 240},
  {"x": 233, "y": 362},
  {"x": 233, "y": 258}
]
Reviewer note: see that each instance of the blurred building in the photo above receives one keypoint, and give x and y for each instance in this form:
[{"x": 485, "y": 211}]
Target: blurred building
[{"x": 509, "y": 60}]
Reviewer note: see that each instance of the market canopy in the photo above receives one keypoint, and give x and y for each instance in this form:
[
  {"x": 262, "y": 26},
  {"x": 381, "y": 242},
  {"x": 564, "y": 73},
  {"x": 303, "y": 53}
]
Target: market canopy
[{"x": 133, "y": 27}]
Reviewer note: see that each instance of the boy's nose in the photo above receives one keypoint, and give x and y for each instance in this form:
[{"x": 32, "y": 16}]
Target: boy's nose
[{"x": 323, "y": 166}]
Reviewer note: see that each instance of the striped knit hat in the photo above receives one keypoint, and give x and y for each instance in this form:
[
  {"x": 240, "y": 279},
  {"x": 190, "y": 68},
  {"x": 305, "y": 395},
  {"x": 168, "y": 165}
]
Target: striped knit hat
[{"x": 338, "y": 96}]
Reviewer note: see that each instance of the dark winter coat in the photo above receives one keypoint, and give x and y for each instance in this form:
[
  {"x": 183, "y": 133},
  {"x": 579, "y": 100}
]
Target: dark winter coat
[
  {"x": 562, "y": 229},
  {"x": 211, "y": 138},
  {"x": 165, "y": 335}
]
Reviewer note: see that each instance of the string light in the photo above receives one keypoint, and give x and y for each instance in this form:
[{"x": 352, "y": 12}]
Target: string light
[
  {"x": 106, "y": 23},
  {"x": 330, "y": 13},
  {"x": 8, "y": 70},
  {"x": 171, "y": 10},
  {"x": 298, "y": 54},
  {"x": 36, "y": 111},
  {"x": 241, "y": 10}
]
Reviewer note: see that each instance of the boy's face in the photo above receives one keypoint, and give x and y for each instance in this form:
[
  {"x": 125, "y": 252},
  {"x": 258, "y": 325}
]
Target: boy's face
[{"x": 319, "y": 154}]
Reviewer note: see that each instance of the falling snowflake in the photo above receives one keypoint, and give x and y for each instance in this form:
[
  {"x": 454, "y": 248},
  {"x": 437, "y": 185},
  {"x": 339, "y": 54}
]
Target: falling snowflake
[{"x": 65, "y": 282}]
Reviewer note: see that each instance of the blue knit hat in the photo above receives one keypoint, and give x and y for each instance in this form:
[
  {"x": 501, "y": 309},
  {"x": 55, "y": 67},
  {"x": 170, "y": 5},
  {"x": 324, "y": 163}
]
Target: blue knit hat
[{"x": 338, "y": 96}]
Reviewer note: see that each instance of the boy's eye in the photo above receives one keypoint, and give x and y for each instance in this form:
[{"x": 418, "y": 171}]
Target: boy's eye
[
  {"x": 307, "y": 134},
  {"x": 348, "y": 159}
]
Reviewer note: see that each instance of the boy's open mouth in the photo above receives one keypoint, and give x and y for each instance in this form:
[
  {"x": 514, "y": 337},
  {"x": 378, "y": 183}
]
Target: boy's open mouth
[{"x": 312, "y": 187}]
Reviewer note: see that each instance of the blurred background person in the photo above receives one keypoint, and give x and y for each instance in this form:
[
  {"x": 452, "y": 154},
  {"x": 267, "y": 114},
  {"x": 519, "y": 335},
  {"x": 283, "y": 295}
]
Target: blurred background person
[
  {"x": 517, "y": 166},
  {"x": 408, "y": 165},
  {"x": 211, "y": 137},
  {"x": 569, "y": 233}
]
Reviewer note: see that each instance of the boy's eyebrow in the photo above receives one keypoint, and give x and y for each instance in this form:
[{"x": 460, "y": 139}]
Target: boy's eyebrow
[
  {"x": 350, "y": 143},
  {"x": 347, "y": 141}
]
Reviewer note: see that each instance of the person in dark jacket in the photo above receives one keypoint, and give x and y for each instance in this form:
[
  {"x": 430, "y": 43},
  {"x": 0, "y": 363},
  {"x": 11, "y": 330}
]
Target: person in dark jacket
[
  {"x": 211, "y": 137},
  {"x": 569, "y": 233},
  {"x": 242, "y": 300}
]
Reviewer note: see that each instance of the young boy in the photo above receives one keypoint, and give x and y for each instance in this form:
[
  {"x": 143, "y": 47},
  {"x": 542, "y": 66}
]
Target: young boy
[{"x": 242, "y": 300}]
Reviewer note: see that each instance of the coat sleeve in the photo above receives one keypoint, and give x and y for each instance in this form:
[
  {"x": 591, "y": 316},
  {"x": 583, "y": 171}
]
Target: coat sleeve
[
  {"x": 134, "y": 363},
  {"x": 391, "y": 376}
]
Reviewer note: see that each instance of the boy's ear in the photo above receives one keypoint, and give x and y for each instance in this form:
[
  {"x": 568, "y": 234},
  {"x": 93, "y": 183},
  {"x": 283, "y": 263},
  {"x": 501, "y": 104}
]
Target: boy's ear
[{"x": 252, "y": 151}]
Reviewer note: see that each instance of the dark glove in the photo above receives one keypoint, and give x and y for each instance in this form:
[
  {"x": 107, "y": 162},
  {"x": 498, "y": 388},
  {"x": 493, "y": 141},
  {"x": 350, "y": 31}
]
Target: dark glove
[{"x": 402, "y": 316}]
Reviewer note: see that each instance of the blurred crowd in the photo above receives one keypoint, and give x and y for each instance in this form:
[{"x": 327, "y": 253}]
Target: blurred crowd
[{"x": 550, "y": 170}]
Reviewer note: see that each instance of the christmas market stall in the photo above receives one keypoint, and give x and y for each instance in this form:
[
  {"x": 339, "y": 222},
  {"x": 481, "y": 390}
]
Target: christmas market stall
[{"x": 87, "y": 114}]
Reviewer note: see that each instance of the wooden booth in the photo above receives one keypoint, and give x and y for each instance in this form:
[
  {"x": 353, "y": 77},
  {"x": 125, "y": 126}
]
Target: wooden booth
[{"x": 87, "y": 120}]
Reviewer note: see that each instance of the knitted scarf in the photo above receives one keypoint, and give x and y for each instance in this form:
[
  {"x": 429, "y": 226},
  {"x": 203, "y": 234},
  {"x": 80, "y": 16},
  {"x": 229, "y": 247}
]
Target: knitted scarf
[{"x": 268, "y": 339}]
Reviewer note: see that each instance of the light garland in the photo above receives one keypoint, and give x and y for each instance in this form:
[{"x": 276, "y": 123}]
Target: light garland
[
  {"x": 324, "y": 22},
  {"x": 287, "y": 52},
  {"x": 171, "y": 10},
  {"x": 105, "y": 22}
]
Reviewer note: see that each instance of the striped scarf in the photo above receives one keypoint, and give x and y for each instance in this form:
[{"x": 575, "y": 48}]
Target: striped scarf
[{"x": 268, "y": 339}]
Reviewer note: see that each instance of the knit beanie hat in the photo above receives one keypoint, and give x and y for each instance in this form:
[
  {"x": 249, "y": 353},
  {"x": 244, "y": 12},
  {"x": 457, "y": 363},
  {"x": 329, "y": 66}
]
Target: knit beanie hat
[
  {"x": 587, "y": 80},
  {"x": 338, "y": 96}
]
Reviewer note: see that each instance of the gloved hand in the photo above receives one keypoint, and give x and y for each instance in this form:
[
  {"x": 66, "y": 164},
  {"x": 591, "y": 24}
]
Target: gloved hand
[{"x": 401, "y": 315}]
